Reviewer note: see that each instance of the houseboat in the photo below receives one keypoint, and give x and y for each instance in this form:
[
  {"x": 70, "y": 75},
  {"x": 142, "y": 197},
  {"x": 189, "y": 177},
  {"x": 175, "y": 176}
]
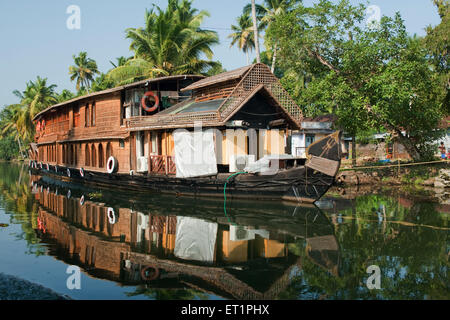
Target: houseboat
[
  {"x": 180, "y": 243},
  {"x": 189, "y": 135}
]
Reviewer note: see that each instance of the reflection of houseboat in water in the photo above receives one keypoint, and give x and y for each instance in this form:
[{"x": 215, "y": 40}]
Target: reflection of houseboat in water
[
  {"x": 170, "y": 243},
  {"x": 191, "y": 138}
]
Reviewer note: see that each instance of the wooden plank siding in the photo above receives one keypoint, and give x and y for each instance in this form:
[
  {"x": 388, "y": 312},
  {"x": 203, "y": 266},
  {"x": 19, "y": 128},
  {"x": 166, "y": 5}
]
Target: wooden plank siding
[{"x": 91, "y": 124}]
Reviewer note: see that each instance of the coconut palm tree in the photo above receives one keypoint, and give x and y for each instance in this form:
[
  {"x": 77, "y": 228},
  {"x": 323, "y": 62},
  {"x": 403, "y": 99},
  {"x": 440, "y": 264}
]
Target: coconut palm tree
[
  {"x": 267, "y": 13},
  {"x": 243, "y": 34},
  {"x": 36, "y": 97},
  {"x": 120, "y": 61},
  {"x": 65, "y": 95},
  {"x": 83, "y": 71},
  {"x": 8, "y": 120},
  {"x": 171, "y": 43},
  {"x": 255, "y": 31}
]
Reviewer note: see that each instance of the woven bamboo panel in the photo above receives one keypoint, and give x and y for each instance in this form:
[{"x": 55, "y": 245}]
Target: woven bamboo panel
[
  {"x": 260, "y": 74},
  {"x": 187, "y": 119}
]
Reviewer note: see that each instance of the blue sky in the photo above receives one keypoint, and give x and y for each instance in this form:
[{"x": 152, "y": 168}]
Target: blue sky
[{"x": 35, "y": 40}]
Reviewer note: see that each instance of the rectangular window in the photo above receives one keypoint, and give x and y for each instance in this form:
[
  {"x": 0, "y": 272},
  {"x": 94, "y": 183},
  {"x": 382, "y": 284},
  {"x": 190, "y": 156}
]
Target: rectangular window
[
  {"x": 122, "y": 143},
  {"x": 310, "y": 138},
  {"x": 93, "y": 115},
  {"x": 76, "y": 116},
  {"x": 87, "y": 116}
]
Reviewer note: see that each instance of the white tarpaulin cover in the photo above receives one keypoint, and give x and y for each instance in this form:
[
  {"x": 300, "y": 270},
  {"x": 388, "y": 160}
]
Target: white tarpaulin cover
[
  {"x": 195, "y": 239},
  {"x": 264, "y": 166},
  {"x": 195, "y": 154}
]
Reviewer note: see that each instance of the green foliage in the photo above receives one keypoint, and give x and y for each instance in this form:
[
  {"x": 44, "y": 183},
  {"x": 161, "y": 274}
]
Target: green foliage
[
  {"x": 243, "y": 35},
  {"x": 371, "y": 78},
  {"x": 83, "y": 71},
  {"x": 16, "y": 121},
  {"x": 120, "y": 61},
  {"x": 102, "y": 82},
  {"x": 438, "y": 44},
  {"x": 366, "y": 137},
  {"x": 65, "y": 95},
  {"x": 216, "y": 69},
  {"x": 9, "y": 149},
  {"x": 171, "y": 43},
  {"x": 267, "y": 13}
]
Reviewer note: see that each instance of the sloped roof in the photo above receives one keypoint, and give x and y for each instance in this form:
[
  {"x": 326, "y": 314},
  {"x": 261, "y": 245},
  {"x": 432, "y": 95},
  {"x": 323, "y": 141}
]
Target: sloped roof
[
  {"x": 192, "y": 106},
  {"x": 223, "y": 77},
  {"x": 181, "y": 114},
  {"x": 116, "y": 89},
  {"x": 256, "y": 78}
]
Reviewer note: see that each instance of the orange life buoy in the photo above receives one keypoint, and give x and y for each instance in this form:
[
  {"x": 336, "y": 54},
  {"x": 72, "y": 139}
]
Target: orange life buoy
[
  {"x": 149, "y": 273},
  {"x": 144, "y": 101}
]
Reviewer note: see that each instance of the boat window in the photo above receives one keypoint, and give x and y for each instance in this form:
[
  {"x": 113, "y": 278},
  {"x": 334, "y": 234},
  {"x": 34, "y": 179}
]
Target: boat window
[
  {"x": 310, "y": 138},
  {"x": 87, "y": 116},
  {"x": 132, "y": 103},
  {"x": 87, "y": 160},
  {"x": 100, "y": 156},
  {"x": 76, "y": 116},
  {"x": 93, "y": 115},
  {"x": 109, "y": 150},
  {"x": 94, "y": 158}
]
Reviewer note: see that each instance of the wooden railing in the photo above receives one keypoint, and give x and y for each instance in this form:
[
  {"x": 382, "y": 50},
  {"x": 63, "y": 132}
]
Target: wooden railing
[{"x": 162, "y": 165}]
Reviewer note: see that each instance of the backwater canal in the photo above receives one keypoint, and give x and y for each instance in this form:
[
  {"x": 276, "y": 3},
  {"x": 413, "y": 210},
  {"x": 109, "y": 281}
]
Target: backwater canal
[{"x": 377, "y": 244}]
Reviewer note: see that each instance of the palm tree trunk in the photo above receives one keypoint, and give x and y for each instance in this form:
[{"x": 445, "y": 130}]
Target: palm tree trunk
[
  {"x": 255, "y": 31},
  {"x": 274, "y": 59},
  {"x": 86, "y": 83}
]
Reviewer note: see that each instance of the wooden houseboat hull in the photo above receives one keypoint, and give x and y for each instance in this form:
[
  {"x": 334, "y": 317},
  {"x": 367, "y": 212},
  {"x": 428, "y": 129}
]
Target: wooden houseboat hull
[{"x": 302, "y": 184}]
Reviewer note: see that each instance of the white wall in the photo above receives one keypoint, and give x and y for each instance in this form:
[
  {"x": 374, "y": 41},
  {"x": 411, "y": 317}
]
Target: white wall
[{"x": 298, "y": 145}]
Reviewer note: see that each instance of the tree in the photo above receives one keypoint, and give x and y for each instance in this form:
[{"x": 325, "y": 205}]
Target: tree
[
  {"x": 255, "y": 32},
  {"x": 243, "y": 35},
  {"x": 371, "y": 77},
  {"x": 267, "y": 13},
  {"x": 217, "y": 69},
  {"x": 438, "y": 44},
  {"x": 171, "y": 43},
  {"x": 102, "y": 83},
  {"x": 36, "y": 97},
  {"x": 120, "y": 61},
  {"x": 65, "y": 95},
  {"x": 83, "y": 71}
]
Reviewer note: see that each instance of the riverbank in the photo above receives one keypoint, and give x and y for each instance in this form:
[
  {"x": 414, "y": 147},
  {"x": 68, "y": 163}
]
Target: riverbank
[
  {"x": 13, "y": 288},
  {"x": 432, "y": 174}
]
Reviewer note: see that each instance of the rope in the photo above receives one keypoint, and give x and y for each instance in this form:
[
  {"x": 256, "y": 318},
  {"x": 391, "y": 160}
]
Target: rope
[
  {"x": 397, "y": 165},
  {"x": 225, "y": 193}
]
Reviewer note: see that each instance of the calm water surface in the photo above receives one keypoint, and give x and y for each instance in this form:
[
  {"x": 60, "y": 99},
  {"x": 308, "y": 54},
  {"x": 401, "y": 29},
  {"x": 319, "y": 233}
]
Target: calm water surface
[{"x": 131, "y": 246}]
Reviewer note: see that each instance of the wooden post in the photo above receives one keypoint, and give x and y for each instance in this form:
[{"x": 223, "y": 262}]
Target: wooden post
[
  {"x": 149, "y": 139},
  {"x": 166, "y": 160},
  {"x": 353, "y": 151}
]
